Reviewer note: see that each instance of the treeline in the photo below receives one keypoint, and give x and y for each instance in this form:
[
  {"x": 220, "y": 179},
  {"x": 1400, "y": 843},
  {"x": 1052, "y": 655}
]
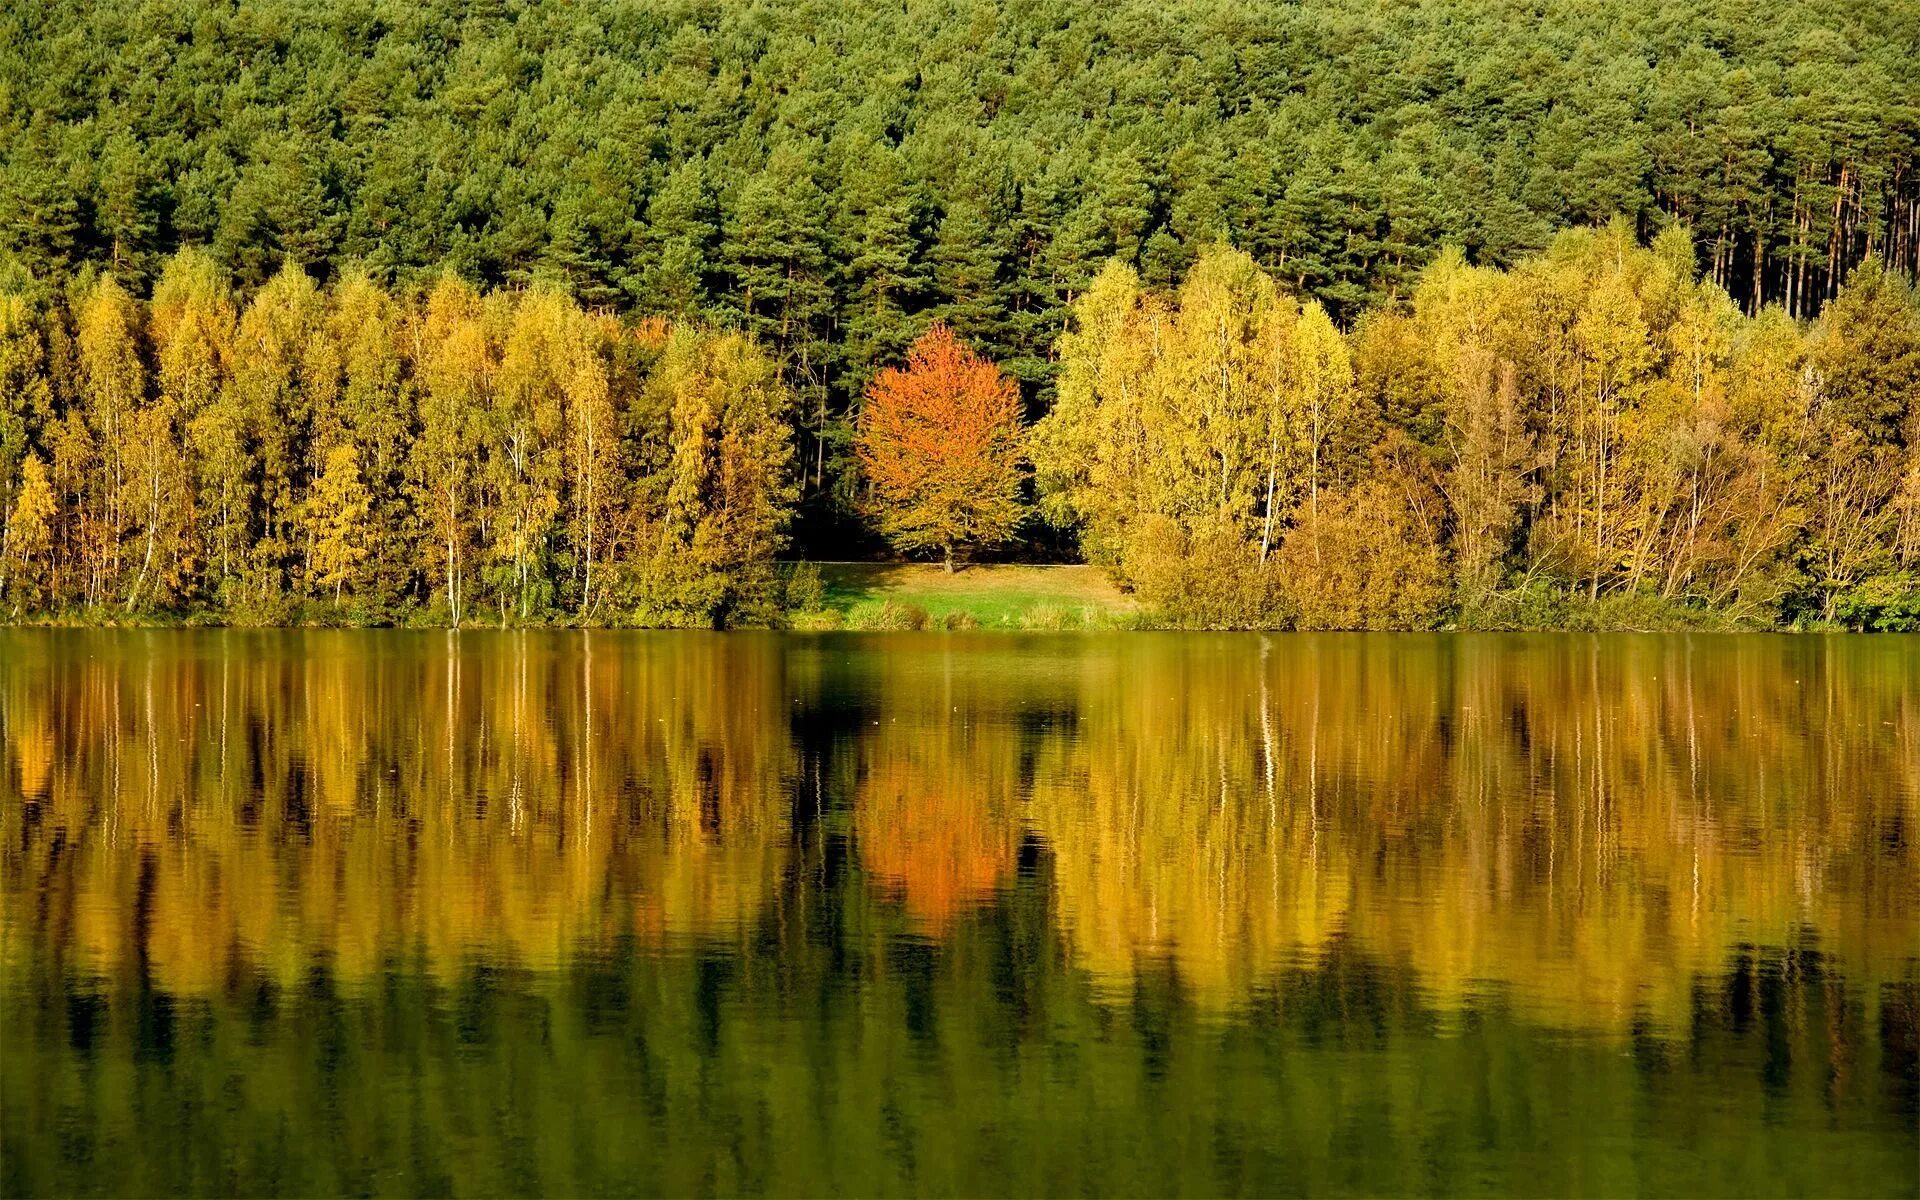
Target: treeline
[
  {"x": 831, "y": 177},
  {"x": 500, "y": 457},
  {"x": 1594, "y": 435}
]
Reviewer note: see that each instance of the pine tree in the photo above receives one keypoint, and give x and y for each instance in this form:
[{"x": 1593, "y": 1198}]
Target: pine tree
[{"x": 676, "y": 244}]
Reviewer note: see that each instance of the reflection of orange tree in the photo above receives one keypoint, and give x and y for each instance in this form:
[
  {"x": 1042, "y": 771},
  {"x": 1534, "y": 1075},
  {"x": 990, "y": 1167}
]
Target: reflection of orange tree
[
  {"x": 935, "y": 822},
  {"x": 936, "y": 811},
  {"x": 273, "y": 802}
]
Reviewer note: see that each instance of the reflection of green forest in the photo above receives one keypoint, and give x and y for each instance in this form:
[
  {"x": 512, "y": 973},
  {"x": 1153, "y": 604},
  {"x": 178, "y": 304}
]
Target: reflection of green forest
[
  {"x": 606, "y": 911},
  {"x": 829, "y": 1055}
]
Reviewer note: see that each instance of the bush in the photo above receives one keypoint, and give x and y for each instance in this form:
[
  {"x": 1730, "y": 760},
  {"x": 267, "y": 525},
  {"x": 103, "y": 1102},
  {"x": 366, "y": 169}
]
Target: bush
[
  {"x": 1209, "y": 578},
  {"x": 1639, "y": 612},
  {"x": 816, "y": 621},
  {"x": 1543, "y": 605},
  {"x": 1536, "y": 604},
  {"x": 801, "y": 588},
  {"x": 1366, "y": 561},
  {"x": 1882, "y": 604},
  {"x": 886, "y": 615}
]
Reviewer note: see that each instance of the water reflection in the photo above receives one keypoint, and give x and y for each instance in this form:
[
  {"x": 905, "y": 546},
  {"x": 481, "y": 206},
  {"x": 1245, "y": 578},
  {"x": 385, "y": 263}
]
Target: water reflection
[{"x": 412, "y": 912}]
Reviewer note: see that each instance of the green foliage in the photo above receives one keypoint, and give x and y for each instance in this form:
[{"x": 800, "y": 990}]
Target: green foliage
[
  {"x": 1883, "y": 604},
  {"x": 801, "y": 588},
  {"x": 1543, "y": 606}
]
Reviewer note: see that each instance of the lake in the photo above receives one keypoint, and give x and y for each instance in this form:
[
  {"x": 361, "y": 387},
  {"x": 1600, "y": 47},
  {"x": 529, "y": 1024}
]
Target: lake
[{"x": 317, "y": 912}]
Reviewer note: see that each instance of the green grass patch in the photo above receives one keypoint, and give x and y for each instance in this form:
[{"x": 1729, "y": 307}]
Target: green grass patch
[{"x": 913, "y": 596}]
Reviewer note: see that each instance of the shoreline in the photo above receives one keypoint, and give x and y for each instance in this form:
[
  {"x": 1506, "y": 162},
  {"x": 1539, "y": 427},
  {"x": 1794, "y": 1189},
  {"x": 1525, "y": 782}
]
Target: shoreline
[{"x": 897, "y": 597}]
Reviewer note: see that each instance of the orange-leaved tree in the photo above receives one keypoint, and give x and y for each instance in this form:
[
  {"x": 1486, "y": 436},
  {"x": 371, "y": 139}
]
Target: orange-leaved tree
[{"x": 942, "y": 446}]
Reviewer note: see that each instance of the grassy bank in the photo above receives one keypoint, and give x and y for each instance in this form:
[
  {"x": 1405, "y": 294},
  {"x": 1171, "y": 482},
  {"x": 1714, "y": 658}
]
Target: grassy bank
[
  {"x": 919, "y": 596},
  {"x": 908, "y": 596}
]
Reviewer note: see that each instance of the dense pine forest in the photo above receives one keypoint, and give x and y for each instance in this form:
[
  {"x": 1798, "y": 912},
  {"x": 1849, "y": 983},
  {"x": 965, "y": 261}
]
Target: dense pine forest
[{"x": 1335, "y": 314}]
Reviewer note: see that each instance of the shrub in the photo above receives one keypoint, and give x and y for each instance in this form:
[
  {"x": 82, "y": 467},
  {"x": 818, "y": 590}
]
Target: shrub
[
  {"x": 1209, "y": 578},
  {"x": 1366, "y": 560},
  {"x": 1535, "y": 604},
  {"x": 886, "y": 615},
  {"x": 801, "y": 588},
  {"x": 817, "y": 620},
  {"x": 1882, "y": 604}
]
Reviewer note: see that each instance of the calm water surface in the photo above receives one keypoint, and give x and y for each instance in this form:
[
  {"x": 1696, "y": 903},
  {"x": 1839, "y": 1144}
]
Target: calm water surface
[{"x": 385, "y": 912}]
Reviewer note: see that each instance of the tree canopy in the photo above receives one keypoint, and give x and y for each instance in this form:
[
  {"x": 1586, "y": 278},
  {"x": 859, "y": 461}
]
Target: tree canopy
[
  {"x": 940, "y": 445},
  {"x": 1599, "y": 421}
]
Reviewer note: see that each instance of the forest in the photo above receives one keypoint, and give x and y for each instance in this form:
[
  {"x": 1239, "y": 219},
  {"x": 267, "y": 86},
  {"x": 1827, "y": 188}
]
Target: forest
[{"x": 1324, "y": 315}]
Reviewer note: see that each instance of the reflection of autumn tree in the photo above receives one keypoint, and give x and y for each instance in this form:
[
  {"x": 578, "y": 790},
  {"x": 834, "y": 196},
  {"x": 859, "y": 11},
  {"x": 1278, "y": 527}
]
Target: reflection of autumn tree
[
  {"x": 239, "y": 871},
  {"x": 1585, "y": 822},
  {"x": 936, "y": 811},
  {"x": 285, "y": 801}
]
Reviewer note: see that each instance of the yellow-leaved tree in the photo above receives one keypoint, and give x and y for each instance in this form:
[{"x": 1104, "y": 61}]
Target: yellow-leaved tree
[
  {"x": 458, "y": 369},
  {"x": 29, "y": 536},
  {"x": 336, "y": 519},
  {"x": 729, "y": 486}
]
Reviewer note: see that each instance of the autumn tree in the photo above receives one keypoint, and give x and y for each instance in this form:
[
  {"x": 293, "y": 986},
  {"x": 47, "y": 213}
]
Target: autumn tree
[
  {"x": 29, "y": 536},
  {"x": 26, "y": 394},
  {"x": 158, "y": 502},
  {"x": 941, "y": 444},
  {"x": 263, "y": 437},
  {"x": 457, "y": 365},
  {"x": 523, "y": 427},
  {"x": 1192, "y": 429},
  {"x": 113, "y": 381},
  {"x": 728, "y": 485},
  {"x": 1598, "y": 423},
  {"x": 375, "y": 406},
  {"x": 336, "y": 520},
  {"x": 593, "y": 464}
]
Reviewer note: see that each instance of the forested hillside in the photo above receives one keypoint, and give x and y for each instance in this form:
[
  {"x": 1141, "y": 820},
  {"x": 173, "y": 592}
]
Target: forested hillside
[
  {"x": 519, "y": 311},
  {"x": 829, "y": 175}
]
